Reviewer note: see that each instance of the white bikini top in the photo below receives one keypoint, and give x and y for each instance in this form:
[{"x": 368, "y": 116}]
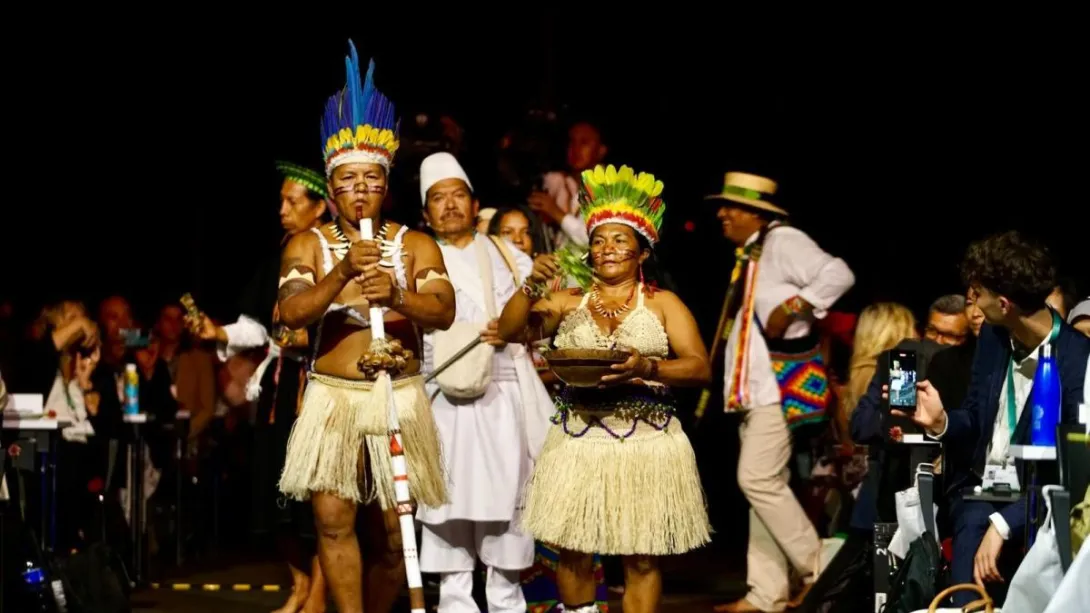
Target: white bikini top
[{"x": 641, "y": 331}]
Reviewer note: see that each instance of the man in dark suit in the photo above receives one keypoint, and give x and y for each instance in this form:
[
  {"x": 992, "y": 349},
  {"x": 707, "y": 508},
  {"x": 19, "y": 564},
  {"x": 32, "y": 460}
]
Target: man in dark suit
[{"x": 1009, "y": 279}]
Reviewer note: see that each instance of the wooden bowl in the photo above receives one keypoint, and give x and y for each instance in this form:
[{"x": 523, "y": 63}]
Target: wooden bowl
[{"x": 583, "y": 367}]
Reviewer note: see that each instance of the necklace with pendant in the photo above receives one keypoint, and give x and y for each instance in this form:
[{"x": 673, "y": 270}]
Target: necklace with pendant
[{"x": 596, "y": 301}]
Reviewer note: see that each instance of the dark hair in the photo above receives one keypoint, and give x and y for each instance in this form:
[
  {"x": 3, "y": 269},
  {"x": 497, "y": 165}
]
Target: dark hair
[
  {"x": 950, "y": 304},
  {"x": 1069, "y": 291},
  {"x": 588, "y": 119},
  {"x": 537, "y": 231},
  {"x": 1011, "y": 266}
]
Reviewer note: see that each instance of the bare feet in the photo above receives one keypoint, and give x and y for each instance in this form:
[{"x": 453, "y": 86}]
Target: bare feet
[
  {"x": 300, "y": 590},
  {"x": 315, "y": 601}
]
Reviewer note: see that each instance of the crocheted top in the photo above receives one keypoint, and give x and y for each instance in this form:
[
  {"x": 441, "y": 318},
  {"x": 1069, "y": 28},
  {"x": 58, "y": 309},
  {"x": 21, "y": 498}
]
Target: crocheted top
[{"x": 641, "y": 330}]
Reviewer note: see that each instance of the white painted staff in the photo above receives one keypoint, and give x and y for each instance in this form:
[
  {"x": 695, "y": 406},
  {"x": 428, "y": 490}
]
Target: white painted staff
[{"x": 397, "y": 456}]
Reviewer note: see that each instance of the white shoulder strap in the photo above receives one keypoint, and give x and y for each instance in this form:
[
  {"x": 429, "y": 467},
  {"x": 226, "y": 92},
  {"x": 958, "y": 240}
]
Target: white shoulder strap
[
  {"x": 508, "y": 258},
  {"x": 639, "y": 295},
  {"x": 585, "y": 300},
  {"x": 399, "y": 262},
  {"x": 327, "y": 260},
  {"x": 484, "y": 262}
]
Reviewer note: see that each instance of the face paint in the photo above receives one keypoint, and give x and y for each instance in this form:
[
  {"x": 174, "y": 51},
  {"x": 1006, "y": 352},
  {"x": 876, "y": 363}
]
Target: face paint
[{"x": 618, "y": 255}]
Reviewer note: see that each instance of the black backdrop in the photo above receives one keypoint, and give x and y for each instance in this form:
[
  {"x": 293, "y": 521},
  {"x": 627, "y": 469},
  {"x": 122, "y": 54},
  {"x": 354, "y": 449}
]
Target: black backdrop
[{"x": 141, "y": 155}]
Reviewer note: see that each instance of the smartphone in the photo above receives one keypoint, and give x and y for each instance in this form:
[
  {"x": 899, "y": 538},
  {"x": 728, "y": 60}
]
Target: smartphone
[
  {"x": 190, "y": 307},
  {"x": 135, "y": 337},
  {"x": 902, "y": 379}
]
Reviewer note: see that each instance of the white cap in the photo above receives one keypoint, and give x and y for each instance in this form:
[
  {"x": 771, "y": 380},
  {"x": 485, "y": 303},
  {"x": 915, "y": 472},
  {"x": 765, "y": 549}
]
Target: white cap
[
  {"x": 130, "y": 368},
  {"x": 438, "y": 167},
  {"x": 1081, "y": 309}
]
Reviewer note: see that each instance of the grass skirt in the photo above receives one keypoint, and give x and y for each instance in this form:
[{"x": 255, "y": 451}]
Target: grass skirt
[
  {"x": 621, "y": 481},
  {"x": 341, "y": 416}
]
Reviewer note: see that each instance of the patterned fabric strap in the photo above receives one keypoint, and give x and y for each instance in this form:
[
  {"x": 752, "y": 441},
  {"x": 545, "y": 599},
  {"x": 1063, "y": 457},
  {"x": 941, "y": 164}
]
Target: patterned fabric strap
[{"x": 739, "y": 397}]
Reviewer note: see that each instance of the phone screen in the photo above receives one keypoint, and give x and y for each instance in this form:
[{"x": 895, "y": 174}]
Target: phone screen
[
  {"x": 134, "y": 337},
  {"x": 902, "y": 379}
]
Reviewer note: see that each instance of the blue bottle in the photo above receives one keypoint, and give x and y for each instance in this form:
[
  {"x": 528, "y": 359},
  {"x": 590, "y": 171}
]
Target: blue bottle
[{"x": 1046, "y": 400}]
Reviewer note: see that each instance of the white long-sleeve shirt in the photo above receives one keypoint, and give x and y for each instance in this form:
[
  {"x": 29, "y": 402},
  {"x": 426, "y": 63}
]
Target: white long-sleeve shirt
[
  {"x": 245, "y": 333},
  {"x": 66, "y": 401},
  {"x": 565, "y": 190},
  {"x": 791, "y": 264}
]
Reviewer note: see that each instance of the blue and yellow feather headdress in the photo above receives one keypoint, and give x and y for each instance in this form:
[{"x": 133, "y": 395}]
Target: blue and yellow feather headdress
[{"x": 359, "y": 123}]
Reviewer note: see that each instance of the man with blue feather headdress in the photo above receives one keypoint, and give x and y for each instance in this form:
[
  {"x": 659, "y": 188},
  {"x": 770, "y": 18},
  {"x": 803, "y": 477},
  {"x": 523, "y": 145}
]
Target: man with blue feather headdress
[{"x": 343, "y": 454}]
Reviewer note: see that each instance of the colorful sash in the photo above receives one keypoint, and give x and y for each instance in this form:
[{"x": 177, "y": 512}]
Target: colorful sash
[{"x": 797, "y": 363}]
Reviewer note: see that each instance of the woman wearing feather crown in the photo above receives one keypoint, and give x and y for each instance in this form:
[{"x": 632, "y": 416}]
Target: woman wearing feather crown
[{"x": 617, "y": 474}]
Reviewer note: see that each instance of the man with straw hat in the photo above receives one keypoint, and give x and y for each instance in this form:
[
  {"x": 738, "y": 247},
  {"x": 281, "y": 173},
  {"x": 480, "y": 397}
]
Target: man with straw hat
[{"x": 774, "y": 375}]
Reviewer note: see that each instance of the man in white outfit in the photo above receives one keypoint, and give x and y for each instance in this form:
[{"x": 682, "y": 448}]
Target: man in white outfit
[{"x": 490, "y": 406}]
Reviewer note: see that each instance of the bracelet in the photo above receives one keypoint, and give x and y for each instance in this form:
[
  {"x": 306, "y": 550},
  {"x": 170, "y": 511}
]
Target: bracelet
[
  {"x": 794, "y": 306},
  {"x": 533, "y": 291}
]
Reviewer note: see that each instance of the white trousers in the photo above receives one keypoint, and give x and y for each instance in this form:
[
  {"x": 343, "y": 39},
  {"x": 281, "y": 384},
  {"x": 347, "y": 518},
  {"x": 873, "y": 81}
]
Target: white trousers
[
  {"x": 452, "y": 548},
  {"x": 502, "y": 591}
]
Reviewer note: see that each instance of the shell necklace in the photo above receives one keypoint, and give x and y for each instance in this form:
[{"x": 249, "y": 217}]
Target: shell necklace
[
  {"x": 340, "y": 248},
  {"x": 596, "y": 301}
]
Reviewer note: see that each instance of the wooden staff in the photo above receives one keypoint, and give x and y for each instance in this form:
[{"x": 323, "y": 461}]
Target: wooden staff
[{"x": 397, "y": 455}]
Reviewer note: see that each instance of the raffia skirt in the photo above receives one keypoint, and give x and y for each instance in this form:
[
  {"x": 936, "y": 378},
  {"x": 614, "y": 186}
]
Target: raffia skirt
[
  {"x": 617, "y": 476},
  {"x": 339, "y": 420}
]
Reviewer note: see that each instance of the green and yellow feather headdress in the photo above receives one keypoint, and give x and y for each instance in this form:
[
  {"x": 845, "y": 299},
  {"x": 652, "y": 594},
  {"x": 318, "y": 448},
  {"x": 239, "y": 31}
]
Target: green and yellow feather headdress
[
  {"x": 306, "y": 177},
  {"x": 621, "y": 196}
]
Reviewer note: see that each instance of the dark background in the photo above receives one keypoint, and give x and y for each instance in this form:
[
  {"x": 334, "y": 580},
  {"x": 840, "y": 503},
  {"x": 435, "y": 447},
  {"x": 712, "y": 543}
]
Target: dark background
[{"x": 141, "y": 153}]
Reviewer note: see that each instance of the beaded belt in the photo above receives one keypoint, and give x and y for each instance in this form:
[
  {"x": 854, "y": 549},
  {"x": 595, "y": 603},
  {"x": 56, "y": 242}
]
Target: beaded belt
[{"x": 654, "y": 406}]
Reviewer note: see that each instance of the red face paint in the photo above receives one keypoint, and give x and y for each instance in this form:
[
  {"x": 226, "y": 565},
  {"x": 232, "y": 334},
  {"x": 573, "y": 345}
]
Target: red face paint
[{"x": 619, "y": 255}]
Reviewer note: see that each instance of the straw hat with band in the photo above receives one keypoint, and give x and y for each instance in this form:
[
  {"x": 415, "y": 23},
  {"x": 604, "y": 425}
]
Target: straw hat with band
[{"x": 750, "y": 190}]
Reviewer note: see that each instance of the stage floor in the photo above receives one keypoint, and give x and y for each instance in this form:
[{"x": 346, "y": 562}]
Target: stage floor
[{"x": 691, "y": 583}]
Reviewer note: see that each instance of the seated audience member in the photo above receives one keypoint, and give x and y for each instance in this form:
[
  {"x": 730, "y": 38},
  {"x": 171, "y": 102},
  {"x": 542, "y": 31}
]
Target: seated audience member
[
  {"x": 949, "y": 369},
  {"x": 889, "y": 466},
  {"x": 155, "y": 396},
  {"x": 881, "y": 327},
  {"x": 1009, "y": 278},
  {"x": 1079, "y": 317},
  {"x": 60, "y": 329},
  {"x": 946, "y": 321},
  {"x": 1063, "y": 298},
  {"x": 191, "y": 368},
  {"x": 59, "y": 359}
]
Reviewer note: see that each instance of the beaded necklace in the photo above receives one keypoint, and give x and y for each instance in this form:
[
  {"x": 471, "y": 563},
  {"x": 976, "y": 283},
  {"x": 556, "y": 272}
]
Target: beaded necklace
[{"x": 600, "y": 308}]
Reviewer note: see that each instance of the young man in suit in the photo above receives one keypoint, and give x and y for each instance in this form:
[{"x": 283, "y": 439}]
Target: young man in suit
[{"x": 1010, "y": 279}]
